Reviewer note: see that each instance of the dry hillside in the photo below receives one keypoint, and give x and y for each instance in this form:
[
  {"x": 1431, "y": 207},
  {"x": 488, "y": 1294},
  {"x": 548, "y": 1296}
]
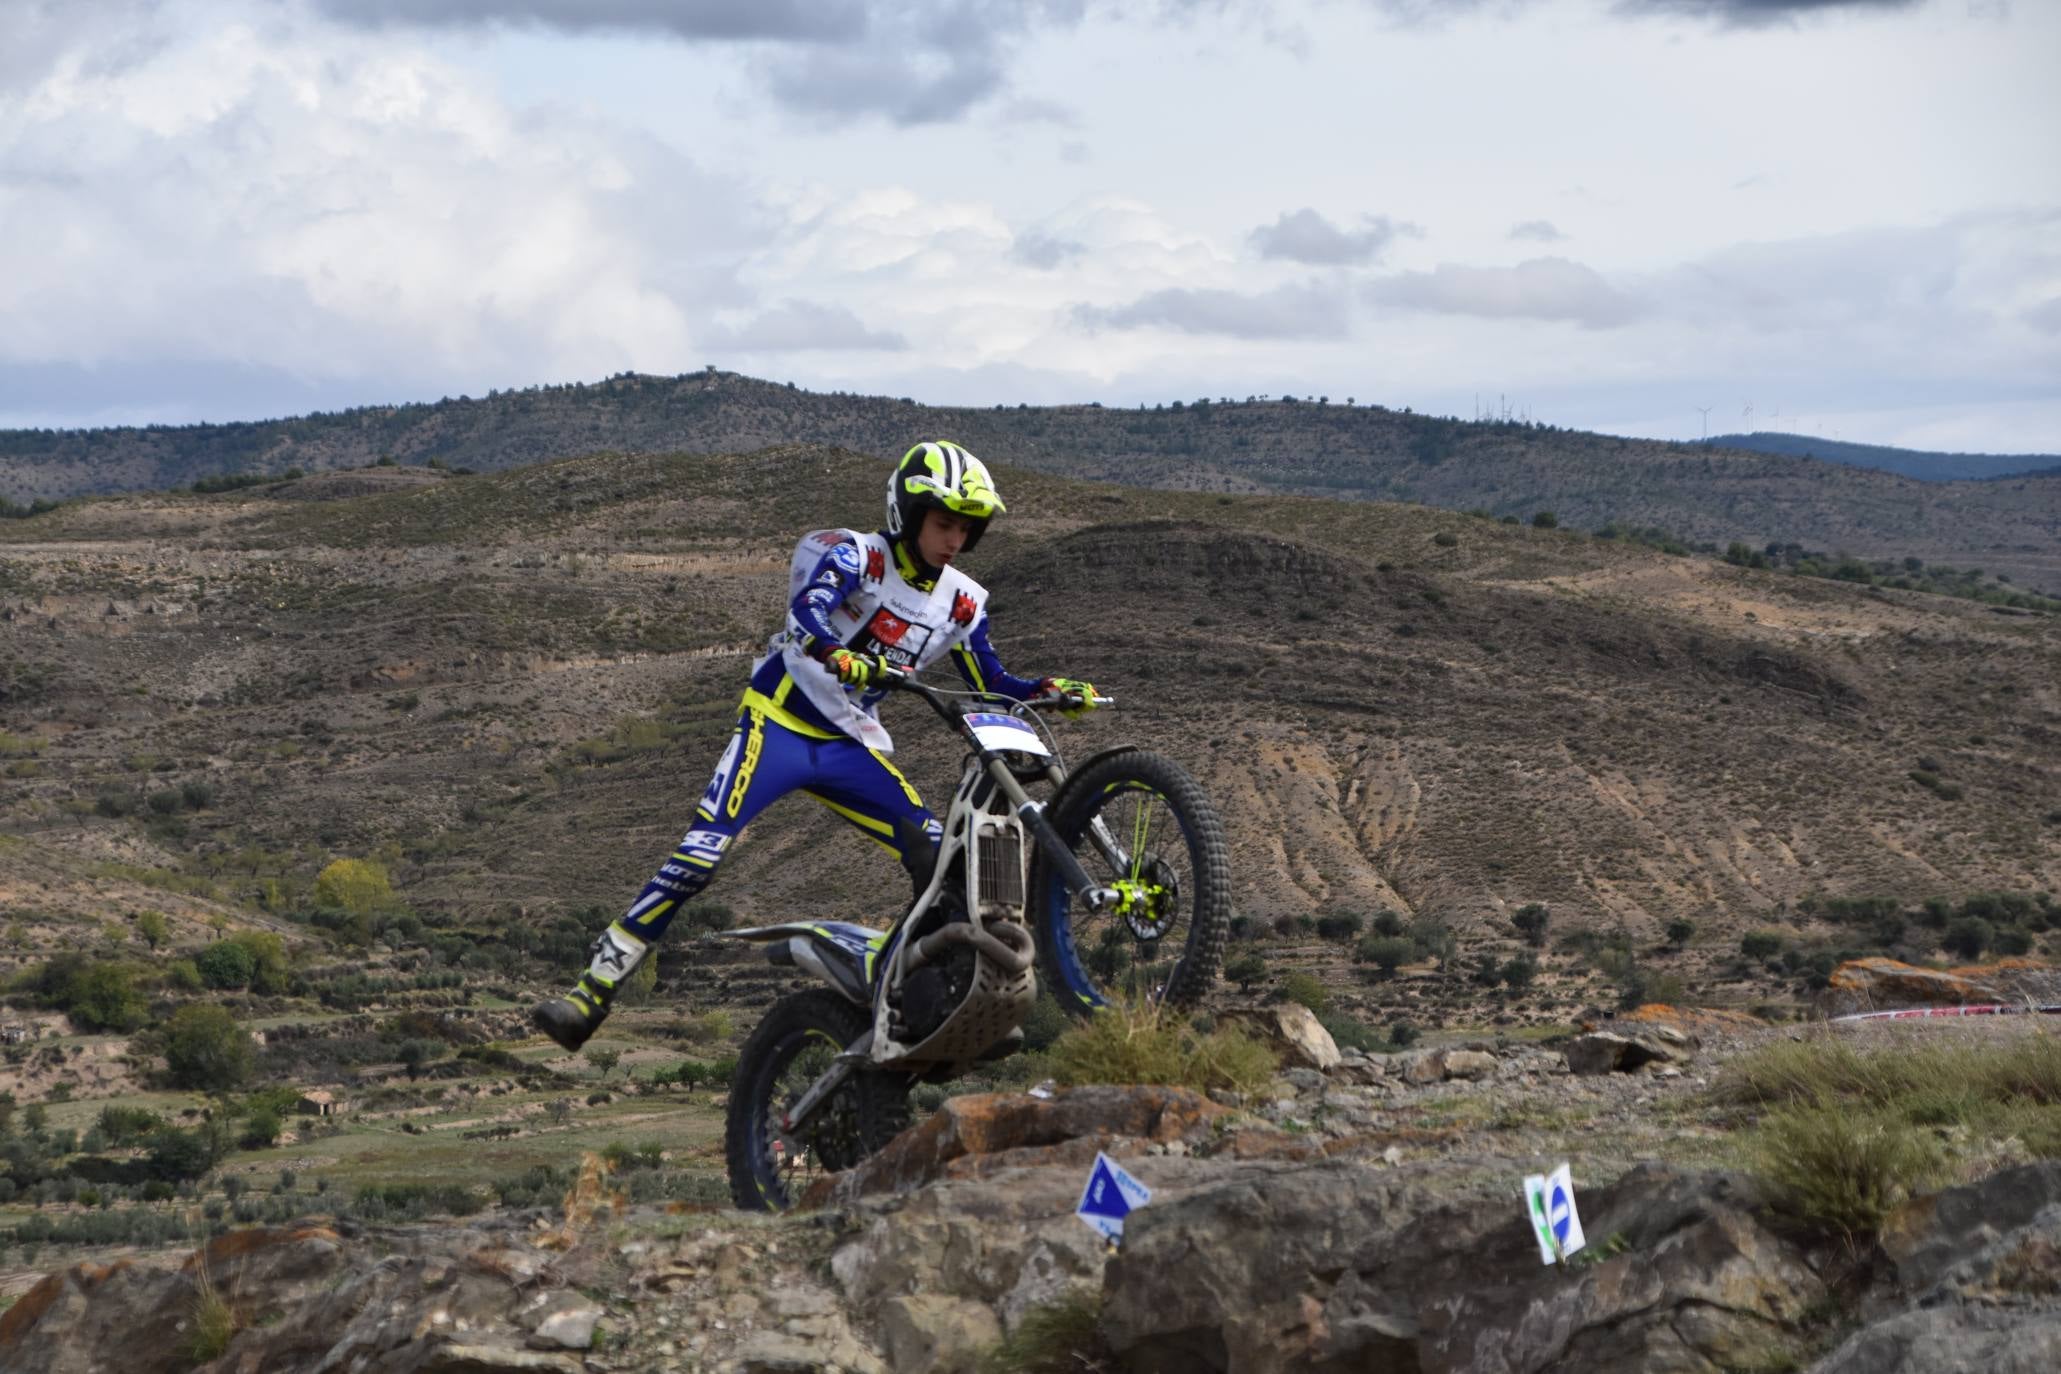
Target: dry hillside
[{"x": 509, "y": 688}]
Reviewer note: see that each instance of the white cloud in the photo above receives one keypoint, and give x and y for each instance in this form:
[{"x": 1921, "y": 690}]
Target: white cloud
[
  {"x": 1307, "y": 237},
  {"x": 1310, "y": 311},
  {"x": 799, "y": 327},
  {"x": 1539, "y": 289},
  {"x": 333, "y": 206}
]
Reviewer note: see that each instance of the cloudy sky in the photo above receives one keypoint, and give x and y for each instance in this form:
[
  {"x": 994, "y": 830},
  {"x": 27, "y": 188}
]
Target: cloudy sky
[{"x": 1830, "y": 218}]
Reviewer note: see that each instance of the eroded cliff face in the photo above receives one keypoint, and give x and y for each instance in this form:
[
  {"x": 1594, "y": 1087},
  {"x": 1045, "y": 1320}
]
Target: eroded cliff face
[{"x": 1285, "y": 1239}]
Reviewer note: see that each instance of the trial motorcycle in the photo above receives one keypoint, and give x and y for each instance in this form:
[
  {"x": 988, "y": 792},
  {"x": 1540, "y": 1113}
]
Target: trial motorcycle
[{"x": 1118, "y": 883}]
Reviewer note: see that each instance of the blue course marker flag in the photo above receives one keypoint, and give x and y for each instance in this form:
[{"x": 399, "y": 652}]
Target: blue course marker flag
[{"x": 1111, "y": 1195}]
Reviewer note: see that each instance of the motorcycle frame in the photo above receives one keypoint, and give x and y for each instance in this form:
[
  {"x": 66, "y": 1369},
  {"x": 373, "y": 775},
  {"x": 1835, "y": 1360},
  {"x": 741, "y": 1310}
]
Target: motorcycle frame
[{"x": 991, "y": 798}]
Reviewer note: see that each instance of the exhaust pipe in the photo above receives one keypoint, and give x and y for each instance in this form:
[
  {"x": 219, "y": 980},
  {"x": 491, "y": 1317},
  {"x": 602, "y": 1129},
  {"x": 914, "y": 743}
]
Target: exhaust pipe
[{"x": 1006, "y": 945}]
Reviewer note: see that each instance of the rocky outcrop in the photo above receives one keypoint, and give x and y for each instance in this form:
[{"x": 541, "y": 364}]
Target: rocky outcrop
[
  {"x": 1879, "y": 984},
  {"x": 1382, "y": 1250},
  {"x": 1629, "y": 1047}
]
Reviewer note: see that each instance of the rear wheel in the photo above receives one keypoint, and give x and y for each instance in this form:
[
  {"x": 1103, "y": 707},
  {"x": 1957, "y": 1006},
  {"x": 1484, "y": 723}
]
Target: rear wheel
[
  {"x": 771, "y": 1166},
  {"x": 1139, "y": 824}
]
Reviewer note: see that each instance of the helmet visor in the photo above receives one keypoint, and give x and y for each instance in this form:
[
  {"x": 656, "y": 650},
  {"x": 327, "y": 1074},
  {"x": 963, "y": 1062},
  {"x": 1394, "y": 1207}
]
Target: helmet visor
[{"x": 975, "y": 499}]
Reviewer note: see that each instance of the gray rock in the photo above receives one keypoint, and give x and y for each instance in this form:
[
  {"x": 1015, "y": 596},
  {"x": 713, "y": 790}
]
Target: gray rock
[
  {"x": 493, "y": 1359},
  {"x": 1934, "y": 1234},
  {"x": 570, "y": 1327},
  {"x": 1980, "y": 1340},
  {"x": 1304, "y": 1080},
  {"x": 1293, "y": 1030},
  {"x": 1617, "y": 1052},
  {"x": 927, "y": 1333},
  {"x": 1469, "y": 1064}
]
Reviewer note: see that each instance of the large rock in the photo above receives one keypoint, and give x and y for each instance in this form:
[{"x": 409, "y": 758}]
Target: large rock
[
  {"x": 1933, "y": 1235},
  {"x": 927, "y": 1333},
  {"x": 1981, "y": 1340},
  {"x": 1625, "y": 1049},
  {"x": 434, "y": 1299},
  {"x": 1294, "y": 1032},
  {"x": 1335, "y": 1266},
  {"x": 93, "y": 1318},
  {"x": 983, "y": 1133},
  {"x": 1437, "y": 1065}
]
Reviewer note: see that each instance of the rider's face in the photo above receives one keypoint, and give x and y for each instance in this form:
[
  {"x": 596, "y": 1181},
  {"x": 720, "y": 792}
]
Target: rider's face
[{"x": 942, "y": 536}]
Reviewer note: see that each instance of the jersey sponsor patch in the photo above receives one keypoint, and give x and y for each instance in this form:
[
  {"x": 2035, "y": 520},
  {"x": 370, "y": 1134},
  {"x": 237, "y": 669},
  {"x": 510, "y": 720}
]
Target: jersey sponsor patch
[
  {"x": 876, "y": 565},
  {"x": 893, "y": 638},
  {"x": 962, "y": 608},
  {"x": 846, "y": 558}
]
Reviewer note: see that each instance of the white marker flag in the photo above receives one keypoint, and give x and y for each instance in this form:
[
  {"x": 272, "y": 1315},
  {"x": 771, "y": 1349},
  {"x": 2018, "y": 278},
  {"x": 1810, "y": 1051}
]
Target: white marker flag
[{"x": 1549, "y": 1199}]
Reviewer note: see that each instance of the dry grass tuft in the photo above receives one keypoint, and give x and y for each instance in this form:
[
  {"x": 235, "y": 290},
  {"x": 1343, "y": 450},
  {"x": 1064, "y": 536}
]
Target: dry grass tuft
[
  {"x": 1062, "y": 1337},
  {"x": 1141, "y": 1042}
]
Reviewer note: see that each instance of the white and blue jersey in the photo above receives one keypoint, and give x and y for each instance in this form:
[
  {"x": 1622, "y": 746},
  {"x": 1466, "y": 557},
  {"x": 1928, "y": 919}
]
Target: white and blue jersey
[
  {"x": 800, "y": 730},
  {"x": 857, "y": 591}
]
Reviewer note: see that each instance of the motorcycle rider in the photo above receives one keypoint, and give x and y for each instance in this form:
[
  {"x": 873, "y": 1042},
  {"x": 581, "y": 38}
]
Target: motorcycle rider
[{"x": 861, "y": 606}]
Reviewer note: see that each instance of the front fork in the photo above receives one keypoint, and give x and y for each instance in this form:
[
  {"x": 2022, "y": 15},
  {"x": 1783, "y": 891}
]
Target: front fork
[{"x": 1032, "y": 814}]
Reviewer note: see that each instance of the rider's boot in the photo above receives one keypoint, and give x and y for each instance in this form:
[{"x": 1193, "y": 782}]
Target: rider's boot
[{"x": 571, "y": 1019}]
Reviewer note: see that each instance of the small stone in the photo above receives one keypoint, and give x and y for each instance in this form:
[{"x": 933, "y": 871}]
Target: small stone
[
  {"x": 569, "y": 1328},
  {"x": 1469, "y": 1064}
]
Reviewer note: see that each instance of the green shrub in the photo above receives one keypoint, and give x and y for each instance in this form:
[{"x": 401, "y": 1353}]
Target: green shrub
[
  {"x": 1245, "y": 970},
  {"x": 1968, "y": 937},
  {"x": 1138, "y": 1042},
  {"x": 1531, "y": 921},
  {"x": 206, "y": 1049},
  {"x": 1843, "y": 1170},
  {"x": 1386, "y": 952},
  {"x": 1305, "y": 989},
  {"x": 225, "y": 964},
  {"x": 1340, "y": 925},
  {"x": 1761, "y": 945},
  {"x": 1350, "y": 1033},
  {"x": 103, "y": 997},
  {"x": 358, "y": 886}
]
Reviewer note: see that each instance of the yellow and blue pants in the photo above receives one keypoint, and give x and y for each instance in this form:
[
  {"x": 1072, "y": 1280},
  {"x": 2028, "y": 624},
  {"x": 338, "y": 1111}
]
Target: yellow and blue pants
[{"x": 771, "y": 753}]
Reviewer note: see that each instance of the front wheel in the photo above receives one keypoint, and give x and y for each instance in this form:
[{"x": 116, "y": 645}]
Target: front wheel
[
  {"x": 797, "y": 1042},
  {"x": 1141, "y": 826}
]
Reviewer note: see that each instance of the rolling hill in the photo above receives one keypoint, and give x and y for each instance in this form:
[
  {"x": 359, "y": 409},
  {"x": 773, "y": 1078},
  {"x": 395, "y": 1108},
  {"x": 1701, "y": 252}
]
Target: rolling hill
[
  {"x": 1310, "y": 446},
  {"x": 508, "y": 688}
]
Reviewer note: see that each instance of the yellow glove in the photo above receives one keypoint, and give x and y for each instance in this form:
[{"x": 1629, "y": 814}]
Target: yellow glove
[
  {"x": 855, "y": 669},
  {"x": 1081, "y": 695}
]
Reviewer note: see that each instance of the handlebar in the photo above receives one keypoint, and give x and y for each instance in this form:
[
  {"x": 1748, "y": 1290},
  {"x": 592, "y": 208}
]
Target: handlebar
[{"x": 941, "y": 702}]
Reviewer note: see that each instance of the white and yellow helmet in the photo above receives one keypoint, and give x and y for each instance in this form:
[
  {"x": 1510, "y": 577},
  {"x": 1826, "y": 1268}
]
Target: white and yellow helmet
[{"x": 942, "y": 476}]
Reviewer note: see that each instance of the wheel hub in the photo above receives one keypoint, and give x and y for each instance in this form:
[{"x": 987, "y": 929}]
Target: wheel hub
[{"x": 1147, "y": 904}]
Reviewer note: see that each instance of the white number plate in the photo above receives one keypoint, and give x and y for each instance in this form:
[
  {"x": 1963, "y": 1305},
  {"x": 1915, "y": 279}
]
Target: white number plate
[{"x": 995, "y": 730}]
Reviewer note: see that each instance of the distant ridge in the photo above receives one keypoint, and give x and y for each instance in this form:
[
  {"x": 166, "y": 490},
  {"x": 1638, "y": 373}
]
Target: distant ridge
[
  {"x": 1922, "y": 464},
  {"x": 1686, "y": 495}
]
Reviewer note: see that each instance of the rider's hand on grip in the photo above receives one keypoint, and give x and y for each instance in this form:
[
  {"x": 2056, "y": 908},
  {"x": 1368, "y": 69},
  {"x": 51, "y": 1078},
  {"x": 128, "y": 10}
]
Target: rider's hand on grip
[
  {"x": 1079, "y": 696},
  {"x": 855, "y": 669}
]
